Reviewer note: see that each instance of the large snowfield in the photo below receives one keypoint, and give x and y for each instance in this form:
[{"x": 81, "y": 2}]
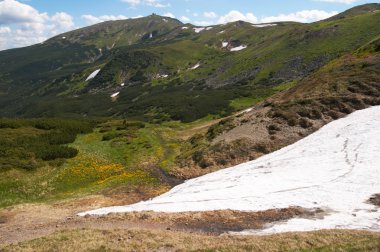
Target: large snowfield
[{"x": 336, "y": 169}]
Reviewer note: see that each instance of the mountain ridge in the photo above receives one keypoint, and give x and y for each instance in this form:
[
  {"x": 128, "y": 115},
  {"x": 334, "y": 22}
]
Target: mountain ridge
[{"x": 164, "y": 85}]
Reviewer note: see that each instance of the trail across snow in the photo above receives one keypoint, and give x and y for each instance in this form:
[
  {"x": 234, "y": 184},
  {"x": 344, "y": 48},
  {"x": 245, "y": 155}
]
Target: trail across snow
[{"x": 337, "y": 169}]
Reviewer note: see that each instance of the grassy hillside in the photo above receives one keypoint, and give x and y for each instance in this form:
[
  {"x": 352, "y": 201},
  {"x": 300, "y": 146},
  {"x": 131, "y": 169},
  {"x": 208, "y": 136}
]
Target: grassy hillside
[{"x": 169, "y": 70}]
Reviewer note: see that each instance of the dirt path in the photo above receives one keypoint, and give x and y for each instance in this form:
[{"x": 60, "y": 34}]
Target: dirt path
[{"x": 31, "y": 221}]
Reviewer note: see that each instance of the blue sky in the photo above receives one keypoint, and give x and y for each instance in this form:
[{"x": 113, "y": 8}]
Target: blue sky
[
  {"x": 26, "y": 22},
  {"x": 187, "y": 8}
]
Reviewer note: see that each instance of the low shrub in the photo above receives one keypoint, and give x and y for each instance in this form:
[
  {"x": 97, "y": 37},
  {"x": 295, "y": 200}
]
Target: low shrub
[
  {"x": 32, "y": 147},
  {"x": 109, "y": 136},
  {"x": 305, "y": 123},
  {"x": 55, "y": 152}
]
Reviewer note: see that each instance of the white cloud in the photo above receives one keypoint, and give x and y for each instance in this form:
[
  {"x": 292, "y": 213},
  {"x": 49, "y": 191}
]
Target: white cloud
[
  {"x": 90, "y": 19},
  {"x": 185, "y": 19},
  {"x": 27, "y": 26},
  {"x": 338, "y": 1},
  {"x": 234, "y": 15},
  {"x": 210, "y": 14},
  {"x": 305, "y": 16},
  {"x": 169, "y": 14},
  {"x": 12, "y": 11},
  {"x": 62, "y": 21},
  {"x": 132, "y": 2},
  {"x": 5, "y": 29},
  {"x": 153, "y": 3}
]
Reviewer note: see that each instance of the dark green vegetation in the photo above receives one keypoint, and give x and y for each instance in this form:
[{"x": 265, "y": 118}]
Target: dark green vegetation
[
  {"x": 154, "y": 56},
  {"x": 28, "y": 143}
]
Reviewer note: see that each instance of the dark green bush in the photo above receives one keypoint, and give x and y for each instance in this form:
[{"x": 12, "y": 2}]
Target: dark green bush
[
  {"x": 304, "y": 123},
  {"x": 109, "y": 136},
  {"x": 131, "y": 125},
  {"x": 55, "y": 152}
]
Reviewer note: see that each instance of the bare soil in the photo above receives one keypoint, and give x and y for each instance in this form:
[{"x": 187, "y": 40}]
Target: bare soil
[
  {"x": 158, "y": 240},
  {"x": 30, "y": 221}
]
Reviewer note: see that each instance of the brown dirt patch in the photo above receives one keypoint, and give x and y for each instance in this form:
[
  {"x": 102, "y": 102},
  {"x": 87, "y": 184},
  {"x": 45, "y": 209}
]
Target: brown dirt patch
[
  {"x": 211, "y": 222},
  {"x": 31, "y": 221}
]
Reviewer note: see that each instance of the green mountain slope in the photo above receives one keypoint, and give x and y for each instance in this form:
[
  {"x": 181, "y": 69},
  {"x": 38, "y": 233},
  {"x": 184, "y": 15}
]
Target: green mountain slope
[{"x": 162, "y": 69}]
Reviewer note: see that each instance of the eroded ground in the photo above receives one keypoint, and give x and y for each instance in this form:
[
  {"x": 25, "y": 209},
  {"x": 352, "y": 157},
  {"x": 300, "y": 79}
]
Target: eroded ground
[{"x": 30, "y": 221}]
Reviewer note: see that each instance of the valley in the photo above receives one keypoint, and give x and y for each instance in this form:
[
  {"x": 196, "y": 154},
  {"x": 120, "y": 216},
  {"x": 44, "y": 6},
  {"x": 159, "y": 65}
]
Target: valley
[{"x": 158, "y": 135}]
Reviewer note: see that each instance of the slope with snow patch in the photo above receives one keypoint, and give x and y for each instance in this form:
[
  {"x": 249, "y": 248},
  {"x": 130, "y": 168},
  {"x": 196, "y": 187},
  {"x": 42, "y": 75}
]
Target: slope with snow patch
[
  {"x": 337, "y": 169},
  {"x": 198, "y": 29},
  {"x": 93, "y": 75},
  {"x": 263, "y": 25},
  {"x": 238, "y": 48}
]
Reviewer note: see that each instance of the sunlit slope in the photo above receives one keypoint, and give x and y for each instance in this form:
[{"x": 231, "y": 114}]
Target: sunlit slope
[{"x": 332, "y": 169}]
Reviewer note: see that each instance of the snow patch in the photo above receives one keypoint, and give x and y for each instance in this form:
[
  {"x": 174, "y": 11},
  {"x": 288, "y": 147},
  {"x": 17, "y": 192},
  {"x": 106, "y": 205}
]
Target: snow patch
[
  {"x": 158, "y": 76},
  {"x": 336, "y": 168},
  {"x": 248, "y": 110},
  {"x": 209, "y": 28},
  {"x": 93, "y": 75},
  {"x": 195, "y": 66},
  {"x": 263, "y": 25},
  {"x": 239, "y": 48},
  {"x": 198, "y": 29},
  {"x": 115, "y": 95},
  {"x": 122, "y": 84},
  {"x": 63, "y": 37},
  {"x": 221, "y": 32},
  {"x": 224, "y": 44},
  {"x": 165, "y": 20},
  {"x": 185, "y": 28}
]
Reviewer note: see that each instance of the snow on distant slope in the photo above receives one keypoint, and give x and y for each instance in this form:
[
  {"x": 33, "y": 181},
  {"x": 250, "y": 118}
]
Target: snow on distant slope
[
  {"x": 263, "y": 25},
  {"x": 93, "y": 75},
  {"x": 195, "y": 66},
  {"x": 198, "y": 29},
  {"x": 115, "y": 94},
  {"x": 337, "y": 169},
  {"x": 239, "y": 48}
]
